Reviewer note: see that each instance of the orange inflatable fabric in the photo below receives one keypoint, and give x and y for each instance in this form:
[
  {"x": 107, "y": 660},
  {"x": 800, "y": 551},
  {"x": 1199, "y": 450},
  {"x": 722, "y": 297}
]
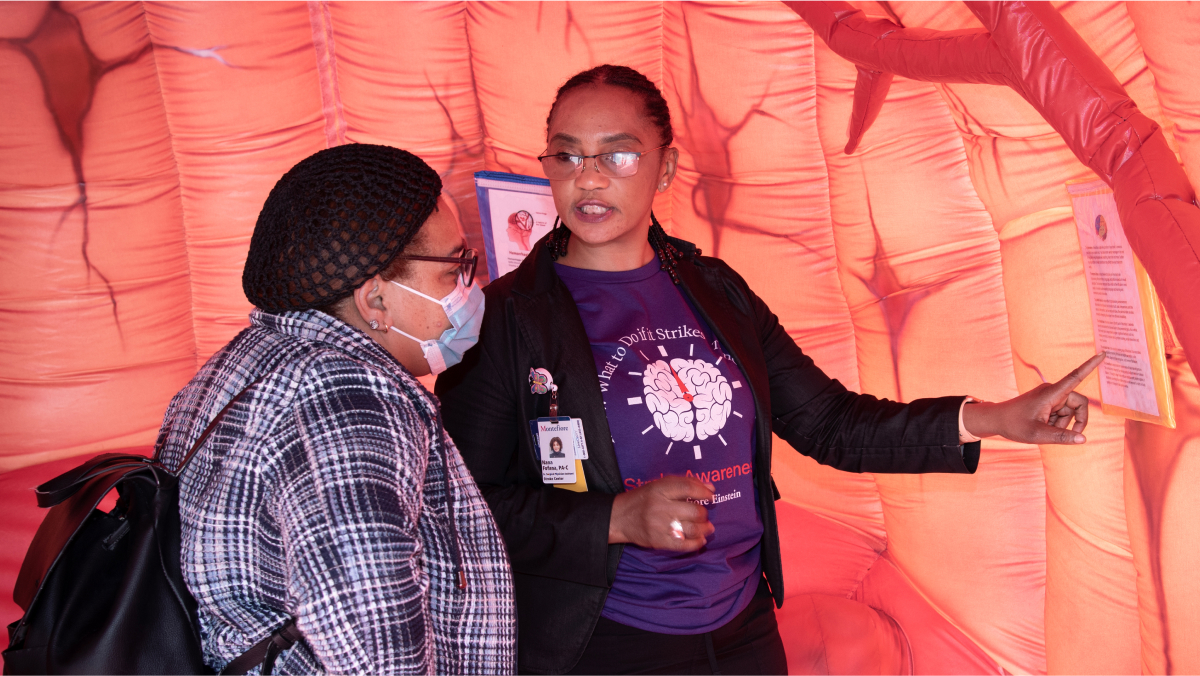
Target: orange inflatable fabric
[{"x": 889, "y": 177}]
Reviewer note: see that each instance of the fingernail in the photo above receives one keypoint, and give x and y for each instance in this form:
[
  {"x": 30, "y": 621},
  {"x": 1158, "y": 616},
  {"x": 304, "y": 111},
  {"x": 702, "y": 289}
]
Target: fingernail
[{"x": 1078, "y": 438}]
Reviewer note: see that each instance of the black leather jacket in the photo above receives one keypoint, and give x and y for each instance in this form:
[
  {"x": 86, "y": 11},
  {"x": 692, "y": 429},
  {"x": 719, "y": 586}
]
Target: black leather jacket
[{"x": 557, "y": 540}]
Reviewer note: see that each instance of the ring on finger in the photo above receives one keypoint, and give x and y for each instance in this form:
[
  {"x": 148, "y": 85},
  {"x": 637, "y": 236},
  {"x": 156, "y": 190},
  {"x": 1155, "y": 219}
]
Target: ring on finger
[{"x": 676, "y": 529}]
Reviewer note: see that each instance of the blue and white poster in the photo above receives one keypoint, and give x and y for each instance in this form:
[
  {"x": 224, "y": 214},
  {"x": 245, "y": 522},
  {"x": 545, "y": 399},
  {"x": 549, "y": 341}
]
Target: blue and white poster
[{"x": 515, "y": 211}]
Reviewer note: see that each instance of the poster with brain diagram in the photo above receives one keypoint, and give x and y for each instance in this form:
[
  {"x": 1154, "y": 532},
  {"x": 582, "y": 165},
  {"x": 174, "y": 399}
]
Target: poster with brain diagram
[{"x": 515, "y": 211}]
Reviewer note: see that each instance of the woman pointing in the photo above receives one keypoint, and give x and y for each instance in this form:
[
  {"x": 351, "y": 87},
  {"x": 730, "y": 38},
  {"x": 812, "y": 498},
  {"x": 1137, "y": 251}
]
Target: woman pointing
[{"x": 662, "y": 554}]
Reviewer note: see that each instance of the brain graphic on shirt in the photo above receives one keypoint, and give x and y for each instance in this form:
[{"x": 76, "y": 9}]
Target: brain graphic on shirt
[{"x": 689, "y": 398}]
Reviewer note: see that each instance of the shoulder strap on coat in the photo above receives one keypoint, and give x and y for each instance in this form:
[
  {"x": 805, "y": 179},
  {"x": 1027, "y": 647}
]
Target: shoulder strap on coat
[
  {"x": 265, "y": 651},
  {"x": 212, "y": 425}
]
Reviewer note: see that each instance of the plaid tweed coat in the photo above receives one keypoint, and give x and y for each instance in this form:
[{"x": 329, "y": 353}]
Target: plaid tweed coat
[{"x": 332, "y": 494}]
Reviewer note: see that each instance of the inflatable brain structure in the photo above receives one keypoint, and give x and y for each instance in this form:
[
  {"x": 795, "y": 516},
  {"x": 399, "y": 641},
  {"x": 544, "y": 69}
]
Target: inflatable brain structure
[{"x": 888, "y": 177}]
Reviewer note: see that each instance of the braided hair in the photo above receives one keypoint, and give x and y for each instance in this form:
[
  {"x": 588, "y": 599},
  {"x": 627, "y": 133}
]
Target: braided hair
[{"x": 655, "y": 109}]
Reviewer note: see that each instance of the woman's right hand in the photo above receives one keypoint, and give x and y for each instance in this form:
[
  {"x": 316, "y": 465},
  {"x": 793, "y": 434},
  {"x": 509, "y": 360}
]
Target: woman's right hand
[{"x": 663, "y": 514}]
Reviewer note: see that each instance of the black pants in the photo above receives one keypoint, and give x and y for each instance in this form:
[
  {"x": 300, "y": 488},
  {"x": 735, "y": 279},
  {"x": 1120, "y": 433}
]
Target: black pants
[{"x": 747, "y": 644}]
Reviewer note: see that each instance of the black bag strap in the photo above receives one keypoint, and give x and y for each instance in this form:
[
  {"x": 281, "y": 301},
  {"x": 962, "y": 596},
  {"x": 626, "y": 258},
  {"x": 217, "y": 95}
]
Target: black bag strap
[
  {"x": 265, "y": 651},
  {"x": 212, "y": 425},
  {"x": 64, "y": 485}
]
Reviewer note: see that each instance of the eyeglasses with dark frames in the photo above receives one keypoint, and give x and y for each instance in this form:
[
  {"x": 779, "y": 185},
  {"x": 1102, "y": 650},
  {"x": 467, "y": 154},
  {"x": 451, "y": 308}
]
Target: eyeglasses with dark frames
[
  {"x": 467, "y": 262},
  {"x": 621, "y": 164}
]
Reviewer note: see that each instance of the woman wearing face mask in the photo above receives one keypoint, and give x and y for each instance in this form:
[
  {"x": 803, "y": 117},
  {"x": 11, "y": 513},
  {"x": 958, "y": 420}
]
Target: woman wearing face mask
[
  {"x": 328, "y": 493},
  {"x": 665, "y": 557}
]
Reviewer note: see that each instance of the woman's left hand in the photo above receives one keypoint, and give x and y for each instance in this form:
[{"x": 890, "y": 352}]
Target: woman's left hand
[{"x": 1040, "y": 416}]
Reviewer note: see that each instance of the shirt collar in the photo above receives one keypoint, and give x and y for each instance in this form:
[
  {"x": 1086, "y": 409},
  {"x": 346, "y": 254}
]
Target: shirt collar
[
  {"x": 315, "y": 325},
  {"x": 537, "y": 275}
]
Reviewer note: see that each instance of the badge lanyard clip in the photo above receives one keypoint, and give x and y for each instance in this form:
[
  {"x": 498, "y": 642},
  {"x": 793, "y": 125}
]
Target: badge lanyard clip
[{"x": 541, "y": 382}]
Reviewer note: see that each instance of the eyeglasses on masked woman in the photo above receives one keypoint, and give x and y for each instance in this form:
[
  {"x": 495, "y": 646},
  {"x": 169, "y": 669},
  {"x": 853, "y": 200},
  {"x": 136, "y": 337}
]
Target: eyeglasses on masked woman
[
  {"x": 564, "y": 166},
  {"x": 466, "y": 263}
]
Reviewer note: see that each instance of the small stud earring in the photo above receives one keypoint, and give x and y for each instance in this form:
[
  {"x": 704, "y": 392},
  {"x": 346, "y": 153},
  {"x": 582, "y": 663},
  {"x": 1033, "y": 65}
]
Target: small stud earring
[{"x": 374, "y": 324}]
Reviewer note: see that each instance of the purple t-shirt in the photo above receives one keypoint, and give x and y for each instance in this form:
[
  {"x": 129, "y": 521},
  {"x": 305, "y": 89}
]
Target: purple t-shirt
[{"x": 676, "y": 405}]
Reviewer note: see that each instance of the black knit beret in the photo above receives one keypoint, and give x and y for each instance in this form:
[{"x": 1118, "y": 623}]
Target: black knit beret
[{"x": 335, "y": 220}]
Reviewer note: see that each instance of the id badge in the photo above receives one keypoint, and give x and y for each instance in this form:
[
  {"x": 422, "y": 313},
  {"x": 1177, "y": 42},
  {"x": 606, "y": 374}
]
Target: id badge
[
  {"x": 560, "y": 451},
  {"x": 580, "y": 441}
]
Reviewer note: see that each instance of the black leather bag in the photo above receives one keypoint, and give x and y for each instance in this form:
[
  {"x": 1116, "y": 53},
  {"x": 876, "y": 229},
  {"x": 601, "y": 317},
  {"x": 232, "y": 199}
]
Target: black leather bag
[{"x": 103, "y": 593}]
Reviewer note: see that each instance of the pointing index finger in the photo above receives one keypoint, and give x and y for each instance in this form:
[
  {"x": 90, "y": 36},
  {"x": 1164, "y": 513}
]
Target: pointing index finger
[{"x": 1072, "y": 379}]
